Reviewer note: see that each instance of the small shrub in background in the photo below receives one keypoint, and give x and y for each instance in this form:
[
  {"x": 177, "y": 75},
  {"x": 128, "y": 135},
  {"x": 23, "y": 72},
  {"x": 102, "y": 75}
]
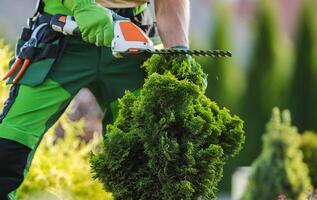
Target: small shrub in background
[
  {"x": 280, "y": 168},
  {"x": 60, "y": 169},
  {"x": 171, "y": 141},
  {"x": 309, "y": 149}
]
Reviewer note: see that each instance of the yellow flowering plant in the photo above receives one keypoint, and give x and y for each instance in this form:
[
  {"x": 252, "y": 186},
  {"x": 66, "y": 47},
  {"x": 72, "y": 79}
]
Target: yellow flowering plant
[{"x": 61, "y": 170}]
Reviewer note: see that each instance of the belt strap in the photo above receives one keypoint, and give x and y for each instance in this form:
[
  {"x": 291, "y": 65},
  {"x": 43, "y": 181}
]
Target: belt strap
[{"x": 39, "y": 7}]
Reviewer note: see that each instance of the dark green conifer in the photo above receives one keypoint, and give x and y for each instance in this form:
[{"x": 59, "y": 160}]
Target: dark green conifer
[
  {"x": 226, "y": 83},
  {"x": 303, "y": 94},
  {"x": 268, "y": 77}
]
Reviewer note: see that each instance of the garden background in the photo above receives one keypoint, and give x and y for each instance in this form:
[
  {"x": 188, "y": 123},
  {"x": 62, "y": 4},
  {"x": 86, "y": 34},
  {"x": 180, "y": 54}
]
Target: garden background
[{"x": 274, "y": 64}]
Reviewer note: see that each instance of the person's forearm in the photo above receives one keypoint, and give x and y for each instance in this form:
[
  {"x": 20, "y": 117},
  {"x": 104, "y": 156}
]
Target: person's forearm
[{"x": 173, "y": 21}]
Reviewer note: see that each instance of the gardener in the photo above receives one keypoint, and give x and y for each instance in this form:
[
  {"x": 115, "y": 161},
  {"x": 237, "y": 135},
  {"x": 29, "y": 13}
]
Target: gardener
[{"x": 62, "y": 65}]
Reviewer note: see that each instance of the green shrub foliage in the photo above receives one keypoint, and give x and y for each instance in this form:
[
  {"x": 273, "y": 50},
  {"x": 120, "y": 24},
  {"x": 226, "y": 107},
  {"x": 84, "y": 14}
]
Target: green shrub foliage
[
  {"x": 309, "y": 149},
  {"x": 280, "y": 168},
  {"x": 171, "y": 141}
]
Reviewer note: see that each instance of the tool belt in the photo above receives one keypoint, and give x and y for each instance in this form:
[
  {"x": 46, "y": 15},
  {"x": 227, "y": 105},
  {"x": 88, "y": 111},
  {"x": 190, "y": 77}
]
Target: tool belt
[
  {"x": 36, "y": 51},
  {"x": 48, "y": 46}
]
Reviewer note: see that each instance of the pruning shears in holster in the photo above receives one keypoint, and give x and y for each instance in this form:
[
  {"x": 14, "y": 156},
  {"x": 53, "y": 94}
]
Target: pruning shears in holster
[{"x": 26, "y": 53}]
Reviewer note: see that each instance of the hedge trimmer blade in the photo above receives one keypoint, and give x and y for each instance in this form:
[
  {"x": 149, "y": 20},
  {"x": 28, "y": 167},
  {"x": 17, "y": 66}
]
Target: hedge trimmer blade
[{"x": 208, "y": 53}]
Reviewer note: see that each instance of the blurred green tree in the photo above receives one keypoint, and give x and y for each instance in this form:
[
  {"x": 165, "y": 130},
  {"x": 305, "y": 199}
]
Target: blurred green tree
[
  {"x": 303, "y": 96},
  {"x": 226, "y": 77},
  {"x": 268, "y": 77},
  {"x": 280, "y": 168},
  {"x": 226, "y": 80}
]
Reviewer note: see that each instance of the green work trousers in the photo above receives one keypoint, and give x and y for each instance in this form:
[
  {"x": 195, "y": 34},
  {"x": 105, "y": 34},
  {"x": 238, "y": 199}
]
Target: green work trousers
[{"x": 32, "y": 109}]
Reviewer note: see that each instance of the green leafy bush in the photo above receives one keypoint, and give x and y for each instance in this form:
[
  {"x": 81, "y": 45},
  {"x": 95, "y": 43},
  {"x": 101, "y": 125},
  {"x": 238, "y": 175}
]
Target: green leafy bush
[
  {"x": 309, "y": 149},
  {"x": 60, "y": 170},
  {"x": 280, "y": 168},
  {"x": 171, "y": 141}
]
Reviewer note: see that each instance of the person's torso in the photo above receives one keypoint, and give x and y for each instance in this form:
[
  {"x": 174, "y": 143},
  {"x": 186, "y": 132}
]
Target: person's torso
[{"x": 56, "y": 7}]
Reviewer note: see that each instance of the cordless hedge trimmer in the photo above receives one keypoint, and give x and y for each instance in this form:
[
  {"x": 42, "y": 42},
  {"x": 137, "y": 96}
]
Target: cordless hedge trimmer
[{"x": 129, "y": 39}]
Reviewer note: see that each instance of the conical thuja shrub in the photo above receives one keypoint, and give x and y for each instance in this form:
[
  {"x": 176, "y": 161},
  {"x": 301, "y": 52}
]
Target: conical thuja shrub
[
  {"x": 280, "y": 168},
  {"x": 171, "y": 141}
]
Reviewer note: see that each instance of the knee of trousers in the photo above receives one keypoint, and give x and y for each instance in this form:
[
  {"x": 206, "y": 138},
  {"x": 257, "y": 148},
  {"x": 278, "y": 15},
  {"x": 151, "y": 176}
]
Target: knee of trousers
[{"x": 13, "y": 158}]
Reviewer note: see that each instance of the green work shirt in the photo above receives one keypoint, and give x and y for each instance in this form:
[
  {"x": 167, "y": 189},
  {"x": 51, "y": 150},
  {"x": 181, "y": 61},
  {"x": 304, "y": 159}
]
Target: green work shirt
[{"x": 56, "y": 7}]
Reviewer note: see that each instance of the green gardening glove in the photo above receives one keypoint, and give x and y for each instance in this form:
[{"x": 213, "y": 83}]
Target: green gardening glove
[{"x": 94, "y": 21}]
